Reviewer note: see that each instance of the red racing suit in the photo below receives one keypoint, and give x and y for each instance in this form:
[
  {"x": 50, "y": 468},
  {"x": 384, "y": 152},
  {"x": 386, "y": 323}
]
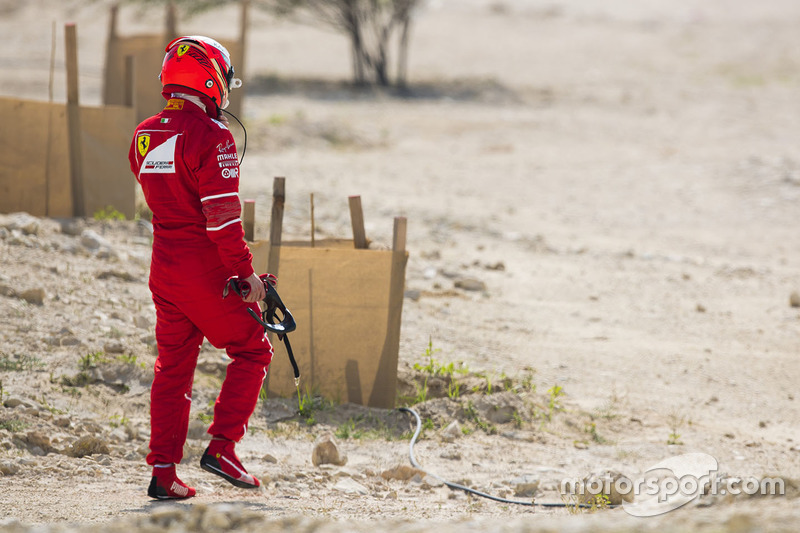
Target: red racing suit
[{"x": 186, "y": 163}]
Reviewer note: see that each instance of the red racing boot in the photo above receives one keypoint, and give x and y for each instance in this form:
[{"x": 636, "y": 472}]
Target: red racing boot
[
  {"x": 165, "y": 484},
  {"x": 220, "y": 459}
]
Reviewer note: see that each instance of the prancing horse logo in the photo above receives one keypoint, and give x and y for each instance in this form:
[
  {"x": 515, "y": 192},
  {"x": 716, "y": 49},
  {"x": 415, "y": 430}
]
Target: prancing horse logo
[
  {"x": 143, "y": 143},
  {"x": 182, "y": 49}
]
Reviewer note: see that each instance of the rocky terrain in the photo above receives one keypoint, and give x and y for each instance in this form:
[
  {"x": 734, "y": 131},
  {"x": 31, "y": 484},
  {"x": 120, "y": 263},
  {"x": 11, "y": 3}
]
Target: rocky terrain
[{"x": 603, "y": 275}]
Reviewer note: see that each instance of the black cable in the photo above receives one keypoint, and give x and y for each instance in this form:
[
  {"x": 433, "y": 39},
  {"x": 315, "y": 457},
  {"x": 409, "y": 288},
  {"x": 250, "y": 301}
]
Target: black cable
[
  {"x": 244, "y": 148},
  {"x": 456, "y": 486}
]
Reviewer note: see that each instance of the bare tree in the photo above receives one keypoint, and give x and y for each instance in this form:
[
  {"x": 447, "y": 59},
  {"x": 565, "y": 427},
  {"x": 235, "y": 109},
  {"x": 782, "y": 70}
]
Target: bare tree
[{"x": 368, "y": 24}]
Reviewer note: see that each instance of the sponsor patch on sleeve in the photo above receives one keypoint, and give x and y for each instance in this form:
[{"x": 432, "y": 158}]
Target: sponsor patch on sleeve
[{"x": 143, "y": 143}]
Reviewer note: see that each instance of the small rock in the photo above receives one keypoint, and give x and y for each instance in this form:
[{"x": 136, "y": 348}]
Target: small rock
[
  {"x": 794, "y": 299},
  {"x": 91, "y": 240},
  {"x": 215, "y": 519},
  {"x": 451, "y": 432},
  {"x": 525, "y": 486},
  {"x": 269, "y": 458},
  {"x": 142, "y": 321},
  {"x": 326, "y": 451},
  {"x": 350, "y": 486},
  {"x": 700, "y": 308},
  {"x": 33, "y": 296},
  {"x": 413, "y": 294},
  {"x": 5, "y": 290},
  {"x": 72, "y": 226},
  {"x": 36, "y": 439},
  {"x": 9, "y": 468},
  {"x": 470, "y": 284},
  {"x": 86, "y": 445},
  {"x": 452, "y": 455},
  {"x": 165, "y": 516},
  {"x": 25, "y": 223},
  {"x": 608, "y": 481},
  {"x": 117, "y": 274},
  {"x": 114, "y": 347},
  {"x": 13, "y": 402},
  {"x": 402, "y": 473}
]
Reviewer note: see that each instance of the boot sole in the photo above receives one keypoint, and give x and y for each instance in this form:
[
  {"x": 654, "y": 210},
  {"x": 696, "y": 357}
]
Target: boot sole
[{"x": 208, "y": 466}]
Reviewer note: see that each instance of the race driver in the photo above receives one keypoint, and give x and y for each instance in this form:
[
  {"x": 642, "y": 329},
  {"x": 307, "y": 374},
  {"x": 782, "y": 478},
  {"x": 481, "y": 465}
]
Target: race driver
[{"x": 185, "y": 160}]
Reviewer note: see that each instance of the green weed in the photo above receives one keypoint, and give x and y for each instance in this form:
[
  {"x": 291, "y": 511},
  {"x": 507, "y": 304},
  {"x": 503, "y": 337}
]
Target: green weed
[
  {"x": 13, "y": 425},
  {"x": 81, "y": 379},
  {"x": 131, "y": 360},
  {"x": 554, "y": 403},
  {"x": 20, "y": 364},
  {"x": 307, "y": 404},
  {"x": 472, "y": 414},
  {"x": 108, "y": 213},
  {"x": 675, "y": 422},
  {"x": 518, "y": 421},
  {"x": 591, "y": 429},
  {"x": 435, "y": 368},
  {"x": 118, "y": 421},
  {"x": 453, "y": 390},
  {"x": 91, "y": 360}
]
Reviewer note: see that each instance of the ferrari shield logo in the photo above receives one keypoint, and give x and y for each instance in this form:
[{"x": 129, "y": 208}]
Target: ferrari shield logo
[
  {"x": 182, "y": 49},
  {"x": 143, "y": 142}
]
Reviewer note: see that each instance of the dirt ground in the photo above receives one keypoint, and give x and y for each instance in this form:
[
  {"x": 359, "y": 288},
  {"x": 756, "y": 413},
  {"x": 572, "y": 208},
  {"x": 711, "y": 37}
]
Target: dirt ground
[{"x": 601, "y": 197}]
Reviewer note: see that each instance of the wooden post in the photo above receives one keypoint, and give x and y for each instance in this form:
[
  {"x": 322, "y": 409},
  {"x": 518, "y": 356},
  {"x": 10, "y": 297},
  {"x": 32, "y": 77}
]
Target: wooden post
[
  {"x": 357, "y": 220},
  {"x": 111, "y": 70},
  {"x": 399, "y": 239},
  {"x": 74, "y": 121},
  {"x": 249, "y": 219},
  {"x": 384, "y": 391},
  {"x": 276, "y": 224},
  {"x": 130, "y": 82},
  {"x": 49, "y": 122},
  {"x": 52, "y": 64},
  {"x": 313, "y": 224},
  {"x": 172, "y": 22},
  {"x": 244, "y": 22}
]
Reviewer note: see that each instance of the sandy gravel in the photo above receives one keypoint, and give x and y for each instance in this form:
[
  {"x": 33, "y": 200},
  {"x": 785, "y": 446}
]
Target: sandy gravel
[{"x": 624, "y": 180}]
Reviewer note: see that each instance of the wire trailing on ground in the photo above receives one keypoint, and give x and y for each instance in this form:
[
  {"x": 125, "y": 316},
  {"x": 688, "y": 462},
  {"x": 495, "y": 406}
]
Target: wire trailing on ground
[{"x": 456, "y": 486}]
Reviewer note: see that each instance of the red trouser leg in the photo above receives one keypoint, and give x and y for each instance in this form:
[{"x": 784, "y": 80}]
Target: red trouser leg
[
  {"x": 171, "y": 393},
  {"x": 197, "y": 309},
  {"x": 251, "y": 352}
]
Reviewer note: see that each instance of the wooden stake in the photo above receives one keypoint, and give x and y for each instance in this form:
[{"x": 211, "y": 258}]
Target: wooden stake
[
  {"x": 357, "y": 220},
  {"x": 129, "y": 81},
  {"x": 172, "y": 22},
  {"x": 276, "y": 224},
  {"x": 111, "y": 70},
  {"x": 399, "y": 240},
  {"x": 52, "y": 64},
  {"x": 249, "y": 219},
  {"x": 49, "y": 122},
  {"x": 244, "y": 23},
  {"x": 313, "y": 223},
  {"x": 74, "y": 121}
]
